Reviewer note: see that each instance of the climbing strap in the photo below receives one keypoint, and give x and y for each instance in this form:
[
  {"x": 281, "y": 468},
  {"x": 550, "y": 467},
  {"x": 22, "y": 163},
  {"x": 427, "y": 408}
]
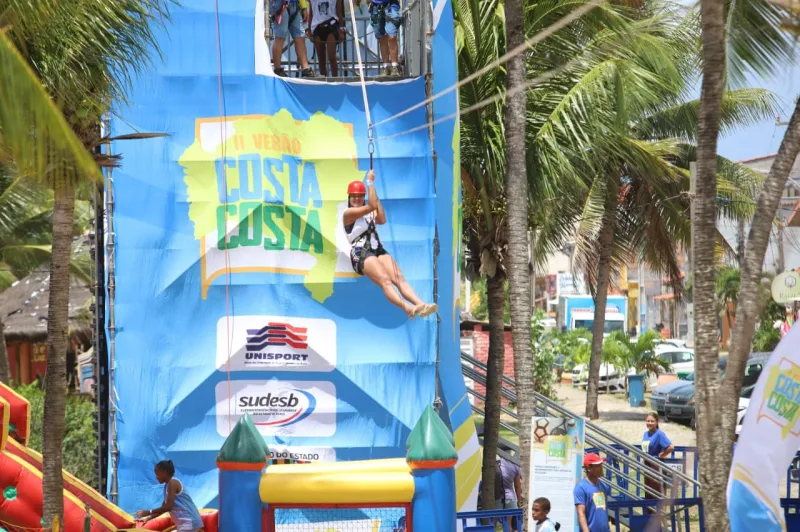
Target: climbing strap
[
  {"x": 363, "y": 81},
  {"x": 278, "y": 16}
]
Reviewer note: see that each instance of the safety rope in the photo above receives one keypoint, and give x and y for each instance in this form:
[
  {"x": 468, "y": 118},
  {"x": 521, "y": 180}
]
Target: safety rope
[
  {"x": 363, "y": 81},
  {"x": 538, "y": 37},
  {"x": 222, "y": 120}
]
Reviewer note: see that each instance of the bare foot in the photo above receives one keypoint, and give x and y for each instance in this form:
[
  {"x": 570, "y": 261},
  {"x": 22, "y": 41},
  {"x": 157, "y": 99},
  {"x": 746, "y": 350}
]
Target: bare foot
[
  {"x": 428, "y": 309},
  {"x": 412, "y": 311}
]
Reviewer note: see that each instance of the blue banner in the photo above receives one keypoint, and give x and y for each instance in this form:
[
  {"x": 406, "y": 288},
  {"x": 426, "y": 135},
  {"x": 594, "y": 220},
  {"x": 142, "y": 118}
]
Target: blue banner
[{"x": 235, "y": 291}]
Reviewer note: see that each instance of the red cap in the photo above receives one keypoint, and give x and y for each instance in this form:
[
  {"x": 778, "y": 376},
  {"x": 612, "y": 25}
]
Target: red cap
[
  {"x": 590, "y": 459},
  {"x": 356, "y": 188}
]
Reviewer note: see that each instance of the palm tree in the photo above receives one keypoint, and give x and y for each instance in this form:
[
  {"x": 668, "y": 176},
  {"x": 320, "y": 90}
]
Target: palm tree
[
  {"x": 635, "y": 196},
  {"x": 518, "y": 258},
  {"x": 480, "y": 39},
  {"x": 26, "y": 212},
  {"x": 754, "y": 43},
  {"x": 82, "y": 54},
  {"x": 639, "y": 355},
  {"x": 727, "y": 291}
]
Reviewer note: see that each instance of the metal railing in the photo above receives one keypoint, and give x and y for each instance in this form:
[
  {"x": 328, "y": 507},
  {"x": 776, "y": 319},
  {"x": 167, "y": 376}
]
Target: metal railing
[
  {"x": 628, "y": 465},
  {"x": 410, "y": 45}
]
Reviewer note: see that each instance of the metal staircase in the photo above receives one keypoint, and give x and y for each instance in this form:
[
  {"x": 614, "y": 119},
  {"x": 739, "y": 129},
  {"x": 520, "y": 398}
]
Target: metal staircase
[{"x": 626, "y": 468}]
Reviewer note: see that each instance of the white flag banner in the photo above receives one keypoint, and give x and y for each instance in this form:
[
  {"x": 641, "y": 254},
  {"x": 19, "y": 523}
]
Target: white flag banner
[{"x": 768, "y": 442}]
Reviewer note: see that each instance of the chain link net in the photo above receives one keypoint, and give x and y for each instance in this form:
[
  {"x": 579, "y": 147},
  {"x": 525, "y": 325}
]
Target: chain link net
[{"x": 340, "y": 520}]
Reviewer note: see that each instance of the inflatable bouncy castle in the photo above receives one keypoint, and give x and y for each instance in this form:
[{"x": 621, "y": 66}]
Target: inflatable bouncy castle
[{"x": 412, "y": 494}]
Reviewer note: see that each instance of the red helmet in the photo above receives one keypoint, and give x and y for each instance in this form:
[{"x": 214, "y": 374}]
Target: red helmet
[{"x": 356, "y": 188}]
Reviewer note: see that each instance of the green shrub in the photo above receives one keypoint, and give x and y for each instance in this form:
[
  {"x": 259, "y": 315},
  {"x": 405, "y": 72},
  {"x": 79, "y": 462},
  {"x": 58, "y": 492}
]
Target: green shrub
[{"x": 80, "y": 439}]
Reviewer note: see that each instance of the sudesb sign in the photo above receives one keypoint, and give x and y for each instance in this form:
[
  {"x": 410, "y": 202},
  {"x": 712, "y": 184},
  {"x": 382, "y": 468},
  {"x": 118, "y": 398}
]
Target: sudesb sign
[{"x": 279, "y": 408}]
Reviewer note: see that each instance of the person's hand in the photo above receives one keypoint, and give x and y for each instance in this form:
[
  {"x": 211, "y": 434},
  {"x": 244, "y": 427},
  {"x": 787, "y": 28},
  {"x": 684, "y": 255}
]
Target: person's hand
[
  {"x": 142, "y": 513},
  {"x": 520, "y": 504},
  {"x": 370, "y": 177}
]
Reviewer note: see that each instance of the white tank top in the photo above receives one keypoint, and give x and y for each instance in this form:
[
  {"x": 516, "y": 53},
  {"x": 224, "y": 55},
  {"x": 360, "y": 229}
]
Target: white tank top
[
  {"x": 356, "y": 236},
  {"x": 322, "y": 11}
]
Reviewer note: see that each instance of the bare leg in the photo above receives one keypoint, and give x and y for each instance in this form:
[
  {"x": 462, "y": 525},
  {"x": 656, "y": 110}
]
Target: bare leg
[
  {"x": 392, "y": 45},
  {"x": 323, "y": 67},
  {"x": 384, "y": 44},
  {"x": 332, "y": 55},
  {"x": 300, "y": 48},
  {"x": 398, "y": 280},
  {"x": 277, "y": 51},
  {"x": 378, "y": 275}
]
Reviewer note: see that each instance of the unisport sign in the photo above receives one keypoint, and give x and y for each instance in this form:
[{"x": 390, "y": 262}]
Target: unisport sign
[{"x": 275, "y": 343}]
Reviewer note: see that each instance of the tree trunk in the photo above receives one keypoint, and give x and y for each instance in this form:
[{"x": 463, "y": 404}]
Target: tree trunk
[
  {"x": 495, "y": 295},
  {"x": 740, "y": 242},
  {"x": 712, "y": 476},
  {"x": 518, "y": 258},
  {"x": 747, "y": 308},
  {"x": 780, "y": 267},
  {"x": 56, "y": 374},
  {"x": 605, "y": 238},
  {"x": 5, "y": 371}
]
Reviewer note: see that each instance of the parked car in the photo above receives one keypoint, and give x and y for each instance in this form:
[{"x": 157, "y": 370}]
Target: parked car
[
  {"x": 679, "y": 404},
  {"x": 610, "y": 378},
  {"x": 744, "y": 402},
  {"x": 680, "y": 358},
  {"x": 659, "y": 395}
]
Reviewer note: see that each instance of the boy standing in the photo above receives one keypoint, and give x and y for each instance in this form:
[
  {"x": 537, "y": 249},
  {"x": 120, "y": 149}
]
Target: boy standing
[
  {"x": 590, "y": 497},
  {"x": 541, "y": 507}
]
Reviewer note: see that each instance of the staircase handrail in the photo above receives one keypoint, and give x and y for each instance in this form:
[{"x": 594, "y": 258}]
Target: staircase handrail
[{"x": 511, "y": 395}]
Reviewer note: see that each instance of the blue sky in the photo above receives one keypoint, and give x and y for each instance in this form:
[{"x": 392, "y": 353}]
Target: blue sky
[{"x": 765, "y": 137}]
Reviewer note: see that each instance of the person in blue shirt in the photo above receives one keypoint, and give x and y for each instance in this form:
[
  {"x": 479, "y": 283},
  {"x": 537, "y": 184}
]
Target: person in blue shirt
[
  {"x": 177, "y": 501},
  {"x": 656, "y": 444},
  {"x": 590, "y": 496}
]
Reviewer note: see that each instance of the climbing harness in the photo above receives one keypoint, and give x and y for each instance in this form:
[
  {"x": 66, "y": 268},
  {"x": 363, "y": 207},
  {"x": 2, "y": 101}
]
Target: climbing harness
[
  {"x": 381, "y": 15},
  {"x": 278, "y": 16},
  {"x": 367, "y": 245}
]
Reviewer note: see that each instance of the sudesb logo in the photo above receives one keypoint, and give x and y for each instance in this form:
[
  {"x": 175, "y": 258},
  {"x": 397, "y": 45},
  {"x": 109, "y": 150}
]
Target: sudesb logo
[
  {"x": 277, "y": 334},
  {"x": 279, "y": 409}
]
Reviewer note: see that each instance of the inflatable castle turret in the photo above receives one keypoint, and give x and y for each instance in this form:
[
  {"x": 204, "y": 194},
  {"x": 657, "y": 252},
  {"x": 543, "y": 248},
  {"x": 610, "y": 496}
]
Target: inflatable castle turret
[
  {"x": 241, "y": 462},
  {"x": 432, "y": 458}
]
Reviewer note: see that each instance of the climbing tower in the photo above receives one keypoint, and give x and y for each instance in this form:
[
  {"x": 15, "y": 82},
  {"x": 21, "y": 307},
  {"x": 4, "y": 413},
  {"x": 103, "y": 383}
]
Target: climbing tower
[{"x": 231, "y": 294}]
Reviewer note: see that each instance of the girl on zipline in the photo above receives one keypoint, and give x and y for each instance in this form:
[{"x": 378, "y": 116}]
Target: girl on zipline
[{"x": 368, "y": 255}]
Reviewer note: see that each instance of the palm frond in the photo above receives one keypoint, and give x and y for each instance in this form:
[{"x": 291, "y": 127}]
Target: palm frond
[
  {"x": 740, "y": 108},
  {"x": 33, "y": 132}
]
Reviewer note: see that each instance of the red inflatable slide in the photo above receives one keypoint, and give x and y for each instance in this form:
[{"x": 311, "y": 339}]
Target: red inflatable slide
[{"x": 21, "y": 482}]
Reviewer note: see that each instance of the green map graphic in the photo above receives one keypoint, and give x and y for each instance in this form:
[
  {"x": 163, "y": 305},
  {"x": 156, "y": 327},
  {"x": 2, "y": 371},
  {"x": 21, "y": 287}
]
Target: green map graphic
[
  {"x": 295, "y": 209},
  {"x": 782, "y": 397}
]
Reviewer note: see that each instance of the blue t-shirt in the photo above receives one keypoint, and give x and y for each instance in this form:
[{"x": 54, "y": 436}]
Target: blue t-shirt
[
  {"x": 594, "y": 498},
  {"x": 656, "y": 443}
]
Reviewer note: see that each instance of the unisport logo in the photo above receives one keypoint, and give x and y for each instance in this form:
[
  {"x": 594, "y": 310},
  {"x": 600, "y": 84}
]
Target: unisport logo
[
  {"x": 261, "y": 343},
  {"x": 276, "y": 343}
]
